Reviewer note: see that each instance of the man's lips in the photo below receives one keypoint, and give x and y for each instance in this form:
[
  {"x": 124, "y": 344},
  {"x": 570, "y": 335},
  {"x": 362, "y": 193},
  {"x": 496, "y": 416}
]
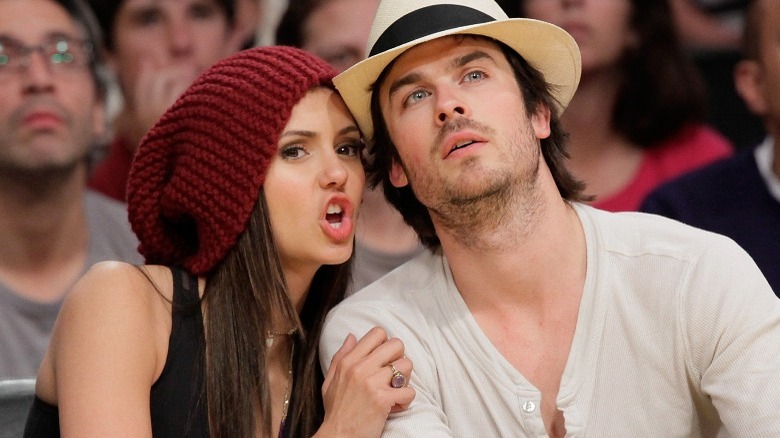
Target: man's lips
[
  {"x": 459, "y": 140},
  {"x": 42, "y": 120}
]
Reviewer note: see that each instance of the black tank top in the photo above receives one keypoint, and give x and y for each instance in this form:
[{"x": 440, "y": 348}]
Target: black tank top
[{"x": 178, "y": 397}]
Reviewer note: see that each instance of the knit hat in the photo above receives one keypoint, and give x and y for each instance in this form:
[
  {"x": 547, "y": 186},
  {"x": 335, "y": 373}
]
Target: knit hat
[{"x": 197, "y": 173}]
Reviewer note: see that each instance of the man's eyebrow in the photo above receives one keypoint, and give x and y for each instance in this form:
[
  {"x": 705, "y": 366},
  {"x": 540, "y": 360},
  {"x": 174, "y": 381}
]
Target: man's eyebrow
[
  {"x": 456, "y": 63},
  {"x": 469, "y": 57},
  {"x": 403, "y": 81}
]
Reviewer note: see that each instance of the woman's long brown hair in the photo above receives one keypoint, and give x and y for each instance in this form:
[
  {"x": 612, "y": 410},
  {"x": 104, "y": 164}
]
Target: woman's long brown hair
[{"x": 242, "y": 295}]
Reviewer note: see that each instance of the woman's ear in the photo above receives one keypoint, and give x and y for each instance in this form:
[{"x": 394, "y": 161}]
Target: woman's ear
[{"x": 749, "y": 82}]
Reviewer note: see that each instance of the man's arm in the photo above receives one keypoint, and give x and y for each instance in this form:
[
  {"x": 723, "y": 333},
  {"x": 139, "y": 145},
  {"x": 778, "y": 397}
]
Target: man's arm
[
  {"x": 731, "y": 320},
  {"x": 425, "y": 416}
]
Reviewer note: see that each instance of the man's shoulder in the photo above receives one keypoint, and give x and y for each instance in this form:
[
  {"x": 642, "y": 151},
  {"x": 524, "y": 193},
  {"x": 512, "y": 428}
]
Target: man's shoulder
[
  {"x": 400, "y": 302},
  {"x": 405, "y": 296},
  {"x": 635, "y": 234},
  {"x": 402, "y": 284}
]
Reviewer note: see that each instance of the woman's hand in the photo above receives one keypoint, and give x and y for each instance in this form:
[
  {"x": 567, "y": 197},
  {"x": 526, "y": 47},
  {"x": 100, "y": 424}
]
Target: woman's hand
[{"x": 357, "y": 391}]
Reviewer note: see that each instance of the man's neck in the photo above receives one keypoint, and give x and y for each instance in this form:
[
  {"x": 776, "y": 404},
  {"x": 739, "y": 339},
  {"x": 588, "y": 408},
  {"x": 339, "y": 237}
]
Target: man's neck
[
  {"x": 588, "y": 117},
  {"x": 534, "y": 269},
  {"x": 599, "y": 155},
  {"x": 44, "y": 233}
]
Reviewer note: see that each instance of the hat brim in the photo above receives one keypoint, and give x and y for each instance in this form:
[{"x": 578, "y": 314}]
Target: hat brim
[{"x": 545, "y": 46}]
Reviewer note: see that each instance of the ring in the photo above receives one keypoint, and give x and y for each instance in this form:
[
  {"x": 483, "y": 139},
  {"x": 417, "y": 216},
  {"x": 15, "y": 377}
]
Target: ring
[{"x": 398, "y": 380}]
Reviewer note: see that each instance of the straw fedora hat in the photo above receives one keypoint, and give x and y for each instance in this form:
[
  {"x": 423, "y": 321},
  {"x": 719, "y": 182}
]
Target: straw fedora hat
[{"x": 402, "y": 24}]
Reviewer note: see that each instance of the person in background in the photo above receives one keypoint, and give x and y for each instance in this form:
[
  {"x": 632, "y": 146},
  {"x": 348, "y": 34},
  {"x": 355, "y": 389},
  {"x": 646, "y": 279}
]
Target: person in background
[
  {"x": 711, "y": 32},
  {"x": 337, "y": 31},
  {"x": 534, "y": 314},
  {"x": 246, "y": 224},
  {"x": 52, "y": 228},
  {"x": 636, "y": 120},
  {"x": 740, "y": 197},
  {"x": 156, "y": 48},
  {"x": 709, "y": 24}
]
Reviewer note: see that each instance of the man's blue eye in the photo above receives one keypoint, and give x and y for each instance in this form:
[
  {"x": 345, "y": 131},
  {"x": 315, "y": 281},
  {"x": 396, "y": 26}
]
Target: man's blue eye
[{"x": 474, "y": 76}]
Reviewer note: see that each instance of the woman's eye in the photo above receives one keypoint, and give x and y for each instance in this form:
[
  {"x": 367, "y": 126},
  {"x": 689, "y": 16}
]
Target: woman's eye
[
  {"x": 293, "y": 152},
  {"x": 350, "y": 149},
  {"x": 416, "y": 96},
  {"x": 475, "y": 75}
]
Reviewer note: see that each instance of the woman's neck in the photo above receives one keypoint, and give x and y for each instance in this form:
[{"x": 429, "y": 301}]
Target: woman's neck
[{"x": 602, "y": 157}]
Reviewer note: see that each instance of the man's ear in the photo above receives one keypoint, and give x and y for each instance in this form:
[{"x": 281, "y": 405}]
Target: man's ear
[
  {"x": 749, "y": 82},
  {"x": 398, "y": 175},
  {"x": 540, "y": 121}
]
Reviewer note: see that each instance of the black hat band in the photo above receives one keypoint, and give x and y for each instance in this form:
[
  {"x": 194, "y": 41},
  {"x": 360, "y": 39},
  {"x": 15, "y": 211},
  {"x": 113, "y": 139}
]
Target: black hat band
[{"x": 427, "y": 21}]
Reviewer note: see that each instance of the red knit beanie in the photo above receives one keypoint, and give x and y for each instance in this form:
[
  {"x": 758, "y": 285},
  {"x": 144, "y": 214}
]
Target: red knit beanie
[{"x": 197, "y": 174}]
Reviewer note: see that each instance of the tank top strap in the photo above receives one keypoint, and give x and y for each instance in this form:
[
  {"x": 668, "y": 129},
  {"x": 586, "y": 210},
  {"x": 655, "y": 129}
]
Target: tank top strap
[{"x": 178, "y": 397}]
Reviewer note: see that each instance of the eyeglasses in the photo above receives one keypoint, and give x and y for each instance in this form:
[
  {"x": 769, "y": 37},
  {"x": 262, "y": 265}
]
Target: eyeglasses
[{"x": 61, "y": 53}]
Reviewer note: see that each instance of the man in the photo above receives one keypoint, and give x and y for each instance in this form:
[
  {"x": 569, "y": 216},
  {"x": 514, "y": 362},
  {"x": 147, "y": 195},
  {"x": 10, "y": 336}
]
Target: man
[
  {"x": 51, "y": 228},
  {"x": 740, "y": 197},
  {"x": 337, "y": 31},
  {"x": 534, "y": 314},
  {"x": 156, "y": 49}
]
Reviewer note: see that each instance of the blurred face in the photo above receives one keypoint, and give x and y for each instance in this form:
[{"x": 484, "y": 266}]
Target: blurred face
[
  {"x": 338, "y": 31},
  {"x": 49, "y": 111},
  {"x": 168, "y": 37},
  {"x": 600, "y": 27},
  {"x": 314, "y": 183},
  {"x": 768, "y": 80},
  {"x": 455, "y": 112}
]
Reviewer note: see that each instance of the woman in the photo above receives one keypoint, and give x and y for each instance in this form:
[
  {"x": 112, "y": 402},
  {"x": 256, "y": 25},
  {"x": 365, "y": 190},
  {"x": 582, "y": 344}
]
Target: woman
[
  {"x": 250, "y": 182},
  {"x": 636, "y": 119}
]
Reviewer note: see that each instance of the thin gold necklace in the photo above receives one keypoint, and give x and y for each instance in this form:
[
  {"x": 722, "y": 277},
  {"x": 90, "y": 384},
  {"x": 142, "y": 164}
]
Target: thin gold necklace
[
  {"x": 271, "y": 334},
  {"x": 288, "y": 391}
]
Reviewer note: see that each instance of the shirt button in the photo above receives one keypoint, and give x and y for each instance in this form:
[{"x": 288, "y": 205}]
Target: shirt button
[{"x": 529, "y": 407}]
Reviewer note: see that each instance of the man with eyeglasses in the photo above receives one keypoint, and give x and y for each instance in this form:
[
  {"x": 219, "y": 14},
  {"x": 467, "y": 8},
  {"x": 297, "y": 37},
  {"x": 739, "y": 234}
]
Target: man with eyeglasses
[{"x": 51, "y": 227}]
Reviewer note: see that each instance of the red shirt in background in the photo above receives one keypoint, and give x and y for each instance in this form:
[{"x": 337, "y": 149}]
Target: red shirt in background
[{"x": 691, "y": 148}]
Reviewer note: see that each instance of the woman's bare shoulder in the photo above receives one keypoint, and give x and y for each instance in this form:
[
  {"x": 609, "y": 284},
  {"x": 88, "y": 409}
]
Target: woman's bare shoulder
[
  {"x": 112, "y": 316},
  {"x": 119, "y": 278}
]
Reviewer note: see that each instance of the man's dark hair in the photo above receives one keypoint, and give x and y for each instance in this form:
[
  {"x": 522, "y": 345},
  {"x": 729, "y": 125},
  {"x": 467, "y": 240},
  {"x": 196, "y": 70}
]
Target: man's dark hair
[
  {"x": 535, "y": 91},
  {"x": 106, "y": 10},
  {"x": 85, "y": 20}
]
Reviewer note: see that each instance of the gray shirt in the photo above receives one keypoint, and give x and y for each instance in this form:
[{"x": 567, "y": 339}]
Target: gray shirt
[{"x": 26, "y": 325}]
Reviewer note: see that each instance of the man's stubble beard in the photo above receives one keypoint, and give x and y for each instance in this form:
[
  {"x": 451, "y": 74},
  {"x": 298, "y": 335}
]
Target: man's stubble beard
[{"x": 498, "y": 211}]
